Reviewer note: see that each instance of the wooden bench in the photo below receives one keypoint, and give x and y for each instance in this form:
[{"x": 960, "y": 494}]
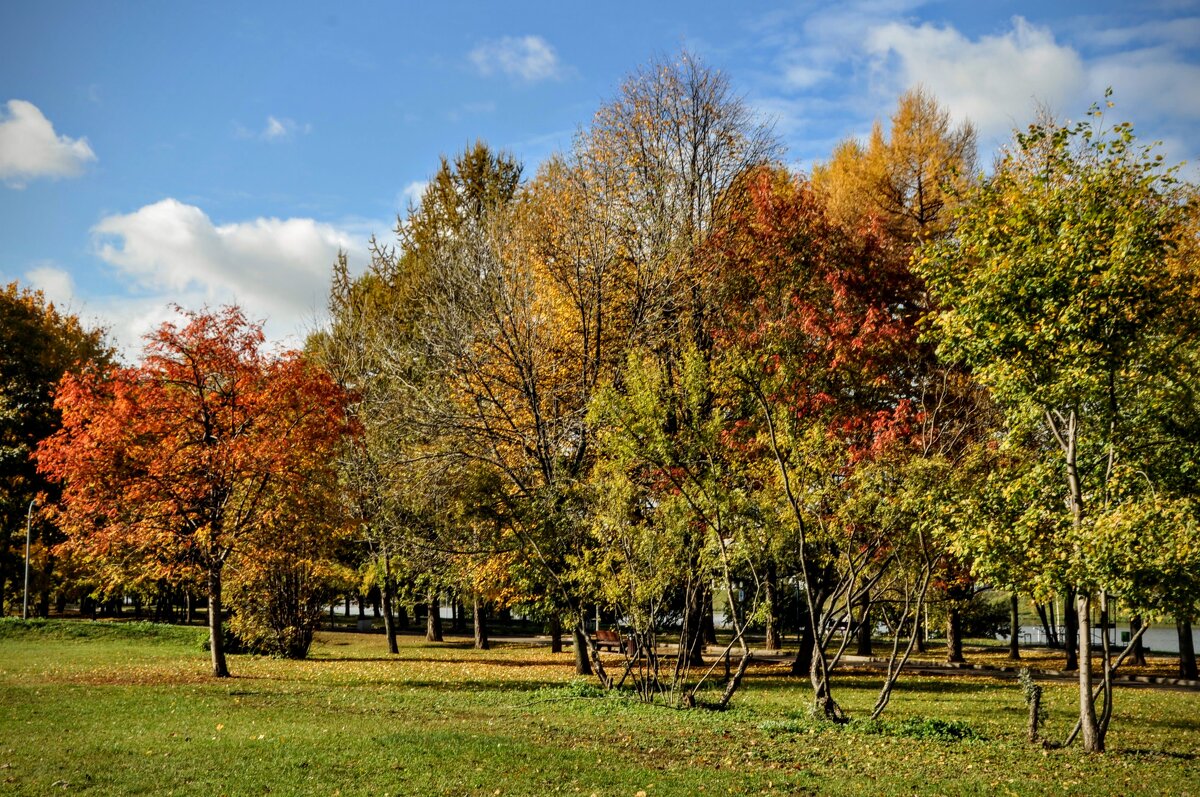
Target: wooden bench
[{"x": 609, "y": 640}]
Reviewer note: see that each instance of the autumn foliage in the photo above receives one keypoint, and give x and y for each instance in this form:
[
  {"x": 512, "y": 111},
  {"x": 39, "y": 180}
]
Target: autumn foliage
[{"x": 169, "y": 468}]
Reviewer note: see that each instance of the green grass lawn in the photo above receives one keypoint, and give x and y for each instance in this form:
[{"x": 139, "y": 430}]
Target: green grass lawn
[{"x": 128, "y": 709}]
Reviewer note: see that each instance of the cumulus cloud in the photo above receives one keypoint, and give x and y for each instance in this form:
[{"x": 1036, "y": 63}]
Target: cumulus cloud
[
  {"x": 277, "y": 269},
  {"x": 529, "y": 58},
  {"x": 29, "y": 147},
  {"x": 54, "y": 282},
  {"x": 995, "y": 81}
]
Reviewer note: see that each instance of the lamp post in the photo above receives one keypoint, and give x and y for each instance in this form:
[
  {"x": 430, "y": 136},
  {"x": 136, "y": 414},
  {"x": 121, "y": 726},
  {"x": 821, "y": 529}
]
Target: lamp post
[{"x": 28, "y": 522}]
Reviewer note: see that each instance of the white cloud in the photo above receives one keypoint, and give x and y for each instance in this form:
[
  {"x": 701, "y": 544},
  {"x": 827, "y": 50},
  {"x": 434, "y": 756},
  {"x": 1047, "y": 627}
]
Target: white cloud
[
  {"x": 411, "y": 195},
  {"x": 996, "y": 81},
  {"x": 54, "y": 282},
  {"x": 29, "y": 147},
  {"x": 530, "y": 58},
  {"x": 276, "y": 269},
  {"x": 276, "y": 128},
  {"x": 1150, "y": 81}
]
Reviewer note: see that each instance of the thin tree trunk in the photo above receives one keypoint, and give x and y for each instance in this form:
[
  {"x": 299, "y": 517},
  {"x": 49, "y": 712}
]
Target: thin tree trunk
[
  {"x": 692, "y": 635},
  {"x": 401, "y": 616},
  {"x": 481, "y": 633},
  {"x": 385, "y": 596},
  {"x": 1093, "y": 739},
  {"x": 771, "y": 598},
  {"x": 1071, "y": 621},
  {"x": 1014, "y": 621},
  {"x": 1047, "y": 627},
  {"x": 1187, "y": 649},
  {"x": 216, "y": 643},
  {"x": 710, "y": 624},
  {"x": 433, "y": 619}
]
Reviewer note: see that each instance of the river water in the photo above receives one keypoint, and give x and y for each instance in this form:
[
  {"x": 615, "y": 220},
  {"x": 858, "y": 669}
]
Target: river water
[{"x": 1159, "y": 639}]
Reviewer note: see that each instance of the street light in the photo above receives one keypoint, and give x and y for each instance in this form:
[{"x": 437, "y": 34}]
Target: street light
[{"x": 28, "y": 520}]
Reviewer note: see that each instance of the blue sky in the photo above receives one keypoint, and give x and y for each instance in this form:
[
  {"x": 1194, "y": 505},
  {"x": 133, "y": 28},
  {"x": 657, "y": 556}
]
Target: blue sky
[{"x": 211, "y": 152}]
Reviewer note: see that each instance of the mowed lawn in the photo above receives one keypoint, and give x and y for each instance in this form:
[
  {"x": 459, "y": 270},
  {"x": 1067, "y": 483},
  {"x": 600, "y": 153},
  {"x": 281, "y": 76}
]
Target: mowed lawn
[{"x": 128, "y": 709}]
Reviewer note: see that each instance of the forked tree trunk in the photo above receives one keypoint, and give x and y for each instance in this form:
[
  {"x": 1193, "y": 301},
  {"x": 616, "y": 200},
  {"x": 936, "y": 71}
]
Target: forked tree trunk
[
  {"x": 1048, "y": 627},
  {"x": 216, "y": 642}
]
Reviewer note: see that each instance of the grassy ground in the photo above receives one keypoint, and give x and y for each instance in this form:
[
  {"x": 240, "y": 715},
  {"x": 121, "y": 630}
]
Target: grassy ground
[{"x": 127, "y": 709}]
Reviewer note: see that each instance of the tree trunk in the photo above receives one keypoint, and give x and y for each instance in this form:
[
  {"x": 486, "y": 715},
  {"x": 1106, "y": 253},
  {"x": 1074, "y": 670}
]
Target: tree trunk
[
  {"x": 1139, "y": 647},
  {"x": 433, "y": 619},
  {"x": 1093, "y": 739},
  {"x": 954, "y": 649},
  {"x": 1014, "y": 621},
  {"x": 362, "y": 607},
  {"x": 771, "y": 599},
  {"x": 692, "y": 633},
  {"x": 802, "y": 665},
  {"x": 385, "y": 597},
  {"x": 1071, "y": 642},
  {"x": 481, "y": 633},
  {"x": 864, "y": 647},
  {"x": 555, "y": 633},
  {"x": 583, "y": 663},
  {"x": 401, "y": 617},
  {"x": 457, "y": 616},
  {"x": 1187, "y": 649},
  {"x": 710, "y": 624},
  {"x": 216, "y": 642},
  {"x": 189, "y": 610},
  {"x": 1047, "y": 627}
]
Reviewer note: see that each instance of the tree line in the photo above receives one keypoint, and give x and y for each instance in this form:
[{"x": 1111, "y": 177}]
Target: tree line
[{"x": 666, "y": 368}]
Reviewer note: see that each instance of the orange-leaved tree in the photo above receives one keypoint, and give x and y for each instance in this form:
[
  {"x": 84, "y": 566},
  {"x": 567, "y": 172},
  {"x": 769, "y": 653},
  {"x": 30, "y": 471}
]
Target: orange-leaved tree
[{"x": 176, "y": 463}]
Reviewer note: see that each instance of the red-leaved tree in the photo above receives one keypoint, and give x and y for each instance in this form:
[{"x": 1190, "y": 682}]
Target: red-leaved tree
[{"x": 170, "y": 466}]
